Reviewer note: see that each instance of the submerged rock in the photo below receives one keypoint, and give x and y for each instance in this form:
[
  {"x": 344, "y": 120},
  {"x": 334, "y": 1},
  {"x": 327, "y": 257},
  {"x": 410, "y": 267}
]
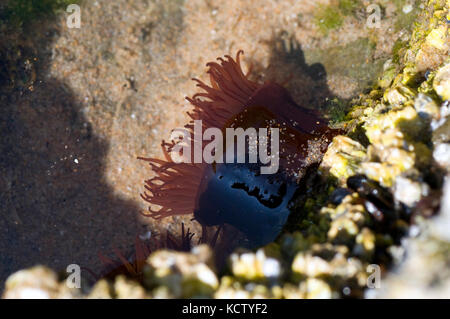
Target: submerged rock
[
  {"x": 184, "y": 275},
  {"x": 255, "y": 266},
  {"x": 37, "y": 283},
  {"x": 441, "y": 83},
  {"x": 425, "y": 272},
  {"x": 426, "y": 107},
  {"x": 230, "y": 288},
  {"x": 343, "y": 157},
  {"x": 441, "y": 155},
  {"x": 101, "y": 290},
  {"x": 408, "y": 191},
  {"x": 128, "y": 289}
]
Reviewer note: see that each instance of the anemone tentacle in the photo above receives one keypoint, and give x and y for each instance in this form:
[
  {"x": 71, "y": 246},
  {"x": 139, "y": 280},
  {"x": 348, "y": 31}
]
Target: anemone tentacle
[{"x": 174, "y": 185}]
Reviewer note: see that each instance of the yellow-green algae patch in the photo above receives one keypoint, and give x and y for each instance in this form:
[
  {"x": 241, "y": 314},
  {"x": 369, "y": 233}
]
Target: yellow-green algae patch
[{"x": 328, "y": 18}]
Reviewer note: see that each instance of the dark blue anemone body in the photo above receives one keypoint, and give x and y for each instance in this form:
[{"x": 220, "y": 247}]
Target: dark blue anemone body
[{"x": 238, "y": 195}]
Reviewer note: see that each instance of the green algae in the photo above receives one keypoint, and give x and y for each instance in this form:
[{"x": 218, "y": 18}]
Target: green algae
[
  {"x": 398, "y": 49},
  {"x": 355, "y": 60},
  {"x": 21, "y": 12},
  {"x": 348, "y": 7},
  {"x": 337, "y": 110},
  {"x": 328, "y": 18},
  {"x": 405, "y": 20}
]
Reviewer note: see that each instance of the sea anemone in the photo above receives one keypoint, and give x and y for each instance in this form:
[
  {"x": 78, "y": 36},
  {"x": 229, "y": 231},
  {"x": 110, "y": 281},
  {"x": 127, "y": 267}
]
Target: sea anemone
[
  {"x": 132, "y": 265},
  {"x": 236, "y": 193}
]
